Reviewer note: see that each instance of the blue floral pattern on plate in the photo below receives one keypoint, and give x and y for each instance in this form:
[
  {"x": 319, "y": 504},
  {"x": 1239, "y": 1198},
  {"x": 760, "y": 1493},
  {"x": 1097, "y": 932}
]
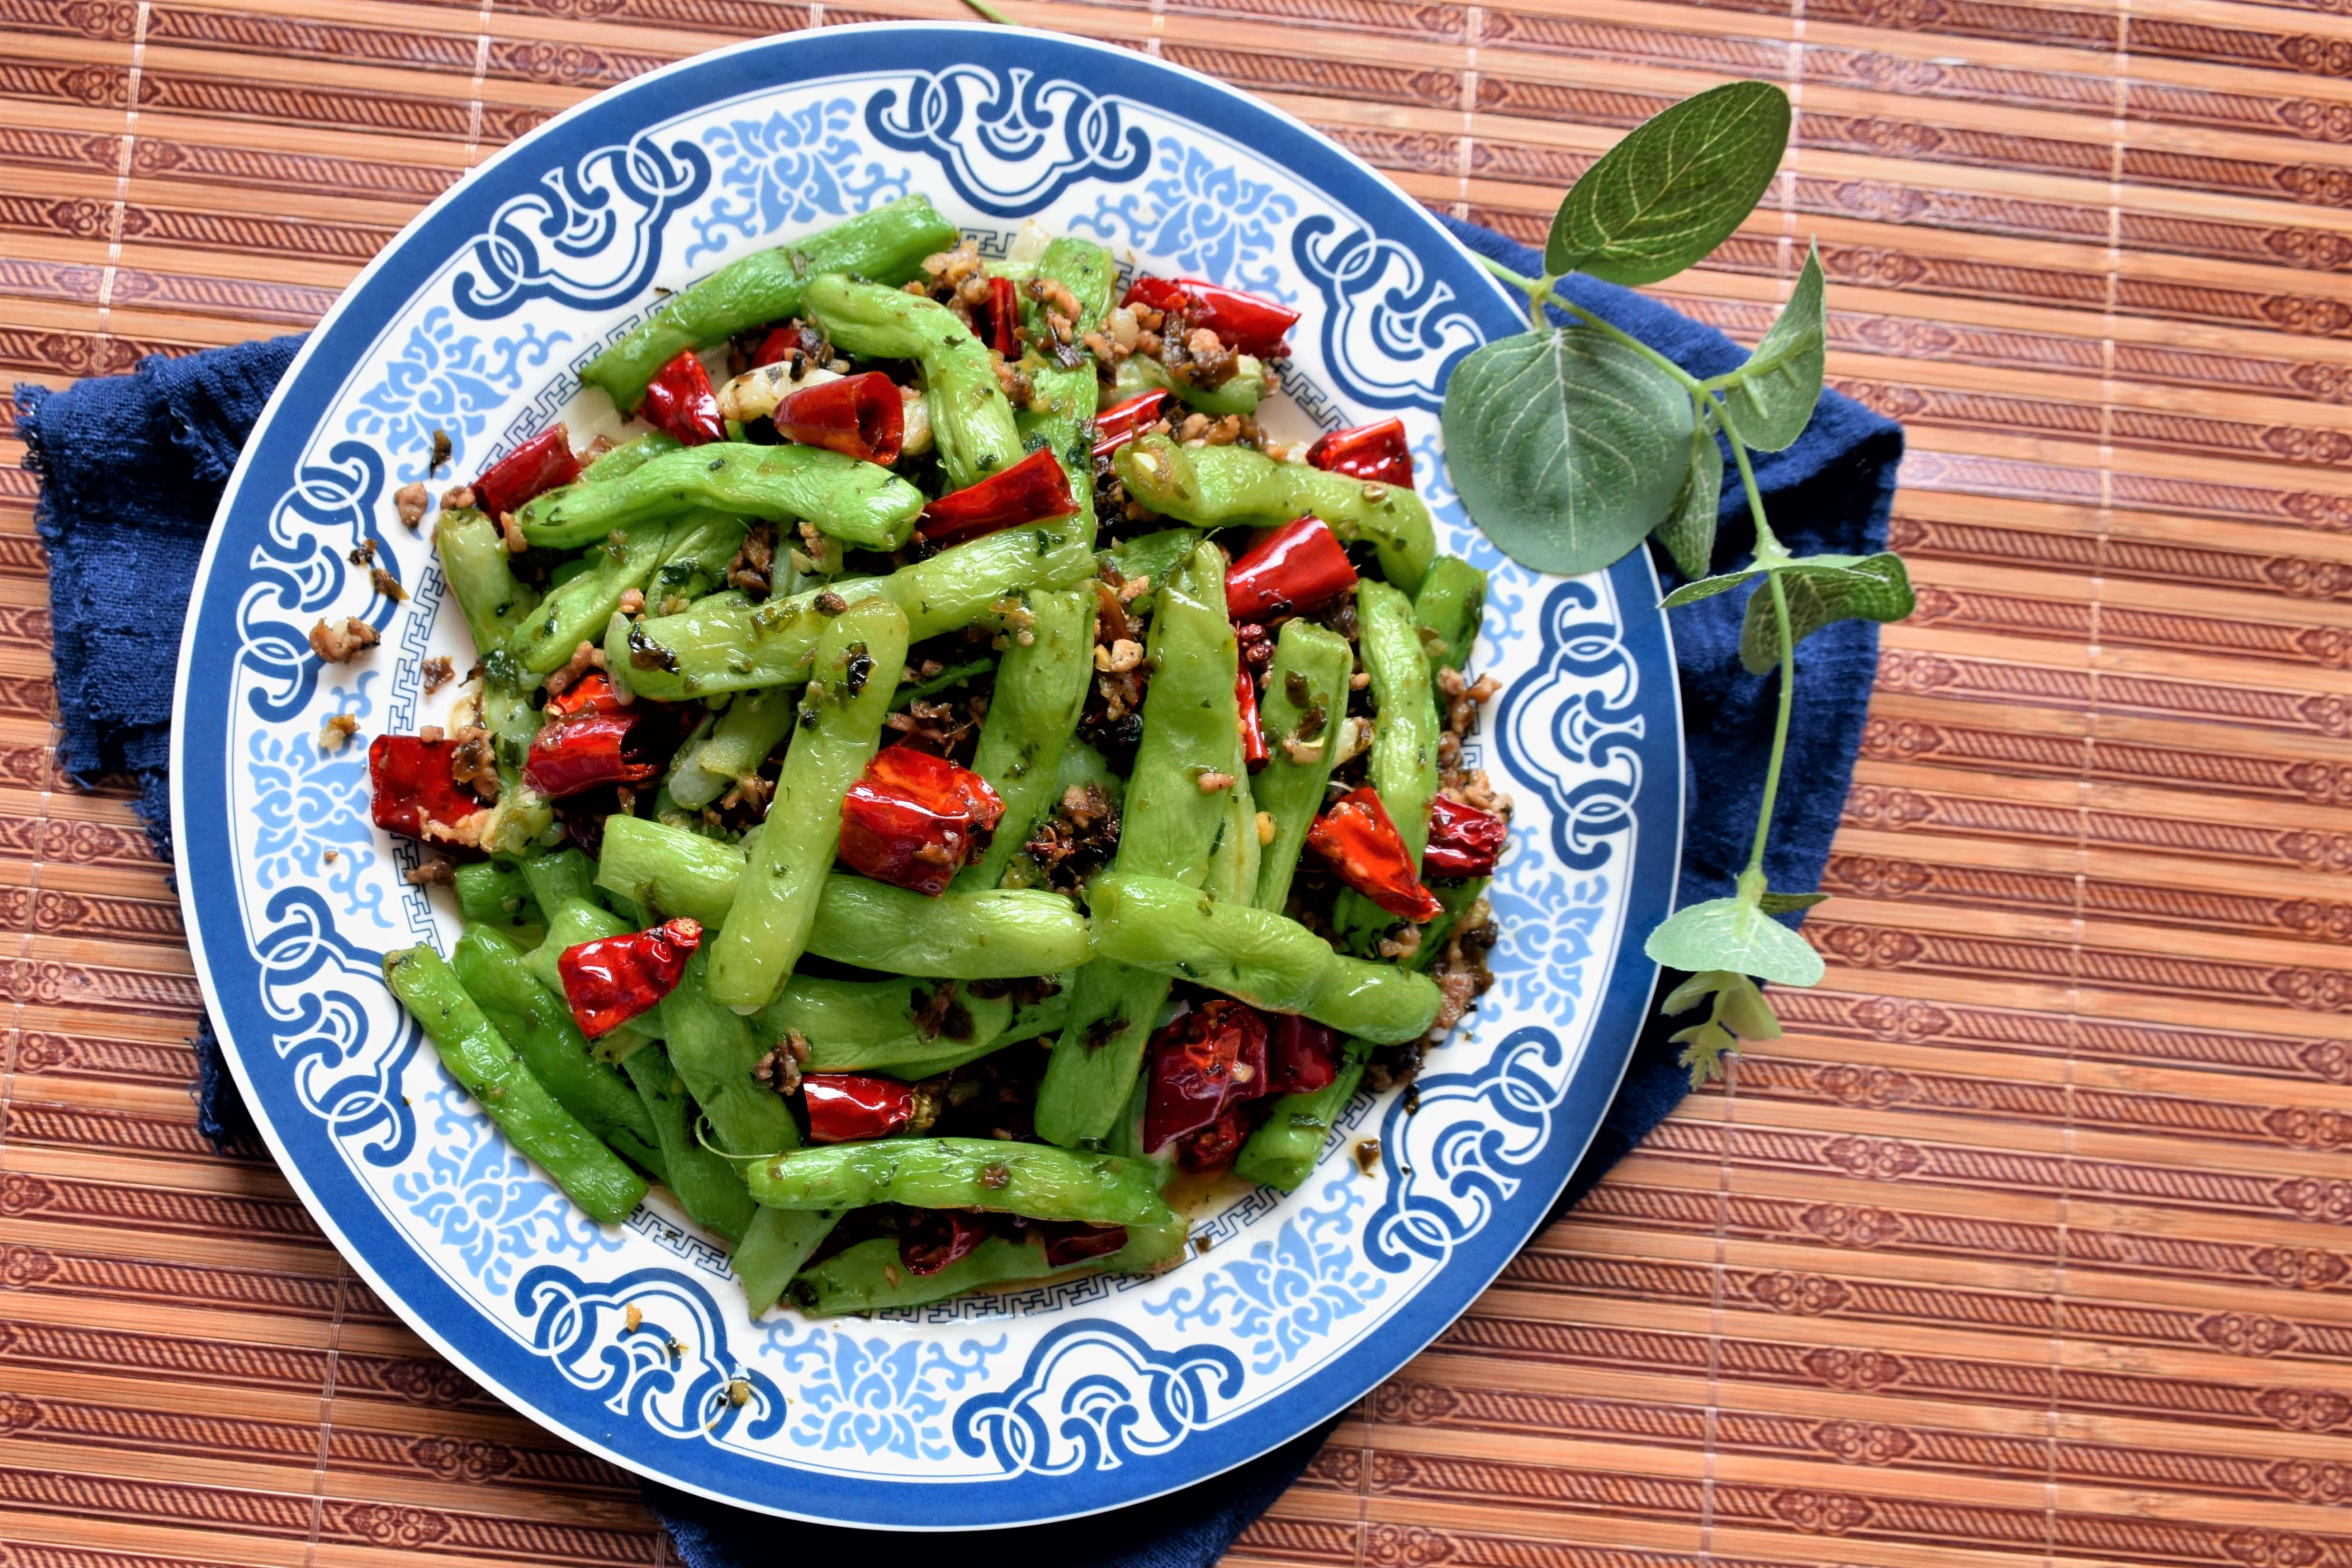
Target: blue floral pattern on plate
[{"x": 1058, "y": 1398}]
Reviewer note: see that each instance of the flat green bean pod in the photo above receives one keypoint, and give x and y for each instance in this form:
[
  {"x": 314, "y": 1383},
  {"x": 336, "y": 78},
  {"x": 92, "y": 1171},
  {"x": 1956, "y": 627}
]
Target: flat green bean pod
[
  {"x": 972, "y": 421},
  {"x": 1232, "y": 487},
  {"x": 965, "y": 1173},
  {"x": 869, "y": 1278},
  {"x": 1239, "y": 393},
  {"x": 858, "y": 503}
]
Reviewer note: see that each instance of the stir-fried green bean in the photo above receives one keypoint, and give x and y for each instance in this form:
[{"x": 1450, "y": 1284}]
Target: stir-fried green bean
[
  {"x": 965, "y": 1173},
  {"x": 577, "y": 609},
  {"x": 1403, "y": 764},
  {"x": 711, "y": 1189},
  {"x": 869, "y": 1277},
  {"x": 1239, "y": 393},
  {"x": 858, "y": 657},
  {"x": 1041, "y": 689},
  {"x": 857, "y": 502},
  {"x": 558, "y": 876},
  {"x": 487, "y": 1068},
  {"x": 888, "y": 245},
  {"x": 1232, "y": 486},
  {"x": 861, "y": 1026},
  {"x": 493, "y": 970},
  {"x": 731, "y": 750},
  {"x": 1063, "y": 398},
  {"x": 496, "y": 893},
  {"x": 972, "y": 421},
  {"x": 1305, "y": 704},
  {"x": 1447, "y": 610},
  {"x": 1283, "y": 1151},
  {"x": 480, "y": 569}
]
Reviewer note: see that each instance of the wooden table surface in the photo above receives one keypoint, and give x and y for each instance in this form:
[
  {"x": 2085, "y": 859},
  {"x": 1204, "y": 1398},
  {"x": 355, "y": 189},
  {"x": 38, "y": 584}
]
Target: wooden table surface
[{"x": 2027, "y": 1244}]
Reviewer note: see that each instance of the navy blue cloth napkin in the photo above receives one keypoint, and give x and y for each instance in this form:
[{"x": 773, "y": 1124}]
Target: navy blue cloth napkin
[{"x": 133, "y": 466}]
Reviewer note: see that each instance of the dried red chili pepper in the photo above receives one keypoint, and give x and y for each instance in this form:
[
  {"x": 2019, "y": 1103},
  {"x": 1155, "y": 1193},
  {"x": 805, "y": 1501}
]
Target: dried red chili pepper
[
  {"x": 535, "y": 467},
  {"x": 1031, "y": 491},
  {"x": 1213, "y": 1148},
  {"x": 1253, "y": 729},
  {"x": 911, "y": 817},
  {"x": 591, "y": 692},
  {"x": 612, "y": 980},
  {"x": 1244, "y": 321},
  {"x": 782, "y": 342},
  {"x": 1365, "y": 848},
  {"x": 850, "y": 1107},
  {"x": 997, "y": 320},
  {"x": 1301, "y": 1055},
  {"x": 410, "y": 785},
  {"x": 1463, "y": 840},
  {"x": 1373, "y": 452},
  {"x": 1296, "y": 570},
  {"x": 576, "y": 754},
  {"x": 1069, "y": 1241},
  {"x": 1210, "y": 1059},
  {"x": 1122, "y": 421},
  {"x": 858, "y": 416},
  {"x": 680, "y": 400},
  {"x": 931, "y": 1239}
]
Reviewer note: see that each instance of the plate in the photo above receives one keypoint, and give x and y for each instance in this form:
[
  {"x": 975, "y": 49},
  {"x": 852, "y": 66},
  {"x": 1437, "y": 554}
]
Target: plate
[{"x": 1049, "y": 1402}]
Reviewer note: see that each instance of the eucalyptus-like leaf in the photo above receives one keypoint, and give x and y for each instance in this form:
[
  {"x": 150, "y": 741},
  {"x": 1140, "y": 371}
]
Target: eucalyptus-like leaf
[
  {"x": 1566, "y": 447},
  {"x": 1786, "y": 903},
  {"x": 1675, "y": 188},
  {"x": 1733, "y": 934},
  {"x": 1741, "y": 1008},
  {"x": 1688, "y": 532},
  {"x": 1770, "y": 403},
  {"x": 1873, "y": 588}
]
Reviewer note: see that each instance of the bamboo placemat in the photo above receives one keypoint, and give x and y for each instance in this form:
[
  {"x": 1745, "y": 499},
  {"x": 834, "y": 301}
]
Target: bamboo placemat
[{"x": 2027, "y": 1244}]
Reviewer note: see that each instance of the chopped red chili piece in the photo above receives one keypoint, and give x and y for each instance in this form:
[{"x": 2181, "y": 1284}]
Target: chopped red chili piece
[
  {"x": 591, "y": 692},
  {"x": 1253, "y": 729},
  {"x": 931, "y": 1239},
  {"x": 936, "y": 782},
  {"x": 910, "y": 819},
  {"x": 850, "y": 1107},
  {"x": 1297, "y": 569},
  {"x": 1069, "y": 1241},
  {"x": 410, "y": 785},
  {"x": 1212, "y": 1058},
  {"x": 1001, "y": 317},
  {"x": 535, "y": 467},
  {"x": 858, "y": 416},
  {"x": 1213, "y": 1148},
  {"x": 1031, "y": 491},
  {"x": 1122, "y": 421},
  {"x": 579, "y": 753},
  {"x": 1301, "y": 1055},
  {"x": 1365, "y": 848},
  {"x": 612, "y": 980},
  {"x": 1245, "y": 321},
  {"x": 782, "y": 342},
  {"x": 1373, "y": 452},
  {"x": 1463, "y": 840},
  {"x": 680, "y": 400}
]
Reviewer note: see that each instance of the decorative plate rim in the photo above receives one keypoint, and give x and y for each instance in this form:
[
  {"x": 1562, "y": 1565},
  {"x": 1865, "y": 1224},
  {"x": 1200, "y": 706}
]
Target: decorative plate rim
[{"x": 1623, "y": 998}]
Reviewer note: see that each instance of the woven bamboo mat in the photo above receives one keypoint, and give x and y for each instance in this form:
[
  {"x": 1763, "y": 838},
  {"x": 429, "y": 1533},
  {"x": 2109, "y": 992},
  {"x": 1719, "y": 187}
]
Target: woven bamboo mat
[{"x": 2026, "y": 1246}]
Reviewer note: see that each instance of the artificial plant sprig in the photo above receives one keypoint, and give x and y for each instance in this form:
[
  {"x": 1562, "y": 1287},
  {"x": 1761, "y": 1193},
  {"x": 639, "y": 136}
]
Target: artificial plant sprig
[{"x": 1569, "y": 444}]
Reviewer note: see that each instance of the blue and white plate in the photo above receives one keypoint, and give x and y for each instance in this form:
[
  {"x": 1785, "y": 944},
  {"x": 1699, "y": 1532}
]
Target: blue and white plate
[{"x": 1007, "y": 1409}]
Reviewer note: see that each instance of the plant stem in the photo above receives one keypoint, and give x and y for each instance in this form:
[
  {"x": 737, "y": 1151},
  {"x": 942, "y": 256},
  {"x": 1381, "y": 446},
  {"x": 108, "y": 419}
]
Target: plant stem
[
  {"x": 1543, "y": 291},
  {"x": 1779, "y": 724},
  {"x": 1769, "y": 550}
]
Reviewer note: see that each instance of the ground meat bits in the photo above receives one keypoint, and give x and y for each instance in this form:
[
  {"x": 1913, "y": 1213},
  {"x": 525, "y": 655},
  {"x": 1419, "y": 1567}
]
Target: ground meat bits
[
  {"x": 410, "y": 500},
  {"x": 1077, "y": 840},
  {"x": 340, "y": 643},
  {"x": 438, "y": 672},
  {"x": 753, "y": 566}
]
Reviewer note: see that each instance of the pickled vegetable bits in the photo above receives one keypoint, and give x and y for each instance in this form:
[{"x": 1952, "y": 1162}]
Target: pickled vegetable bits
[{"x": 945, "y": 771}]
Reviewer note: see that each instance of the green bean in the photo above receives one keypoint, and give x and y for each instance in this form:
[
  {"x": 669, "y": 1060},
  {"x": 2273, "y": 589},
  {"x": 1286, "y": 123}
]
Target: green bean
[
  {"x": 496, "y": 893},
  {"x": 1283, "y": 1151},
  {"x": 859, "y": 502},
  {"x": 888, "y": 244},
  {"x": 480, "y": 569},
  {"x": 558, "y": 876},
  {"x": 522, "y": 814},
  {"x": 1041, "y": 689},
  {"x": 1403, "y": 764},
  {"x": 971, "y": 423},
  {"x": 755, "y": 725},
  {"x": 1062, "y": 398},
  {"x": 1081, "y": 765},
  {"x": 711, "y": 1190},
  {"x": 576, "y": 611},
  {"x": 1447, "y": 610},
  {"x": 870, "y": 1277},
  {"x": 1154, "y": 556},
  {"x": 669, "y": 870},
  {"x": 963, "y": 1173},
  {"x": 569, "y": 923},
  {"x": 1306, "y": 697},
  {"x": 858, "y": 657},
  {"x": 493, "y": 970},
  {"x": 486, "y": 1067},
  {"x": 1170, "y": 828},
  {"x": 630, "y": 456},
  {"x": 726, "y": 643},
  {"x": 775, "y": 1245},
  {"x": 1385, "y": 1003},
  {"x": 1239, "y": 393},
  {"x": 1232, "y": 487},
  {"x": 857, "y": 1026},
  {"x": 1156, "y": 923}
]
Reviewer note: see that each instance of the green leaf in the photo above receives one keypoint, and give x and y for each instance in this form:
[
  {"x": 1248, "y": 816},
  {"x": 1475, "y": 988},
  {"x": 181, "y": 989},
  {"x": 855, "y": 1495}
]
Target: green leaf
[
  {"x": 1872, "y": 588},
  {"x": 1705, "y": 1045},
  {"x": 1741, "y": 1008},
  {"x": 1566, "y": 447},
  {"x": 1771, "y": 401},
  {"x": 1696, "y": 989},
  {"x": 1673, "y": 189},
  {"x": 1705, "y": 588},
  {"x": 1786, "y": 902},
  {"x": 1733, "y": 934},
  {"x": 1688, "y": 532}
]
